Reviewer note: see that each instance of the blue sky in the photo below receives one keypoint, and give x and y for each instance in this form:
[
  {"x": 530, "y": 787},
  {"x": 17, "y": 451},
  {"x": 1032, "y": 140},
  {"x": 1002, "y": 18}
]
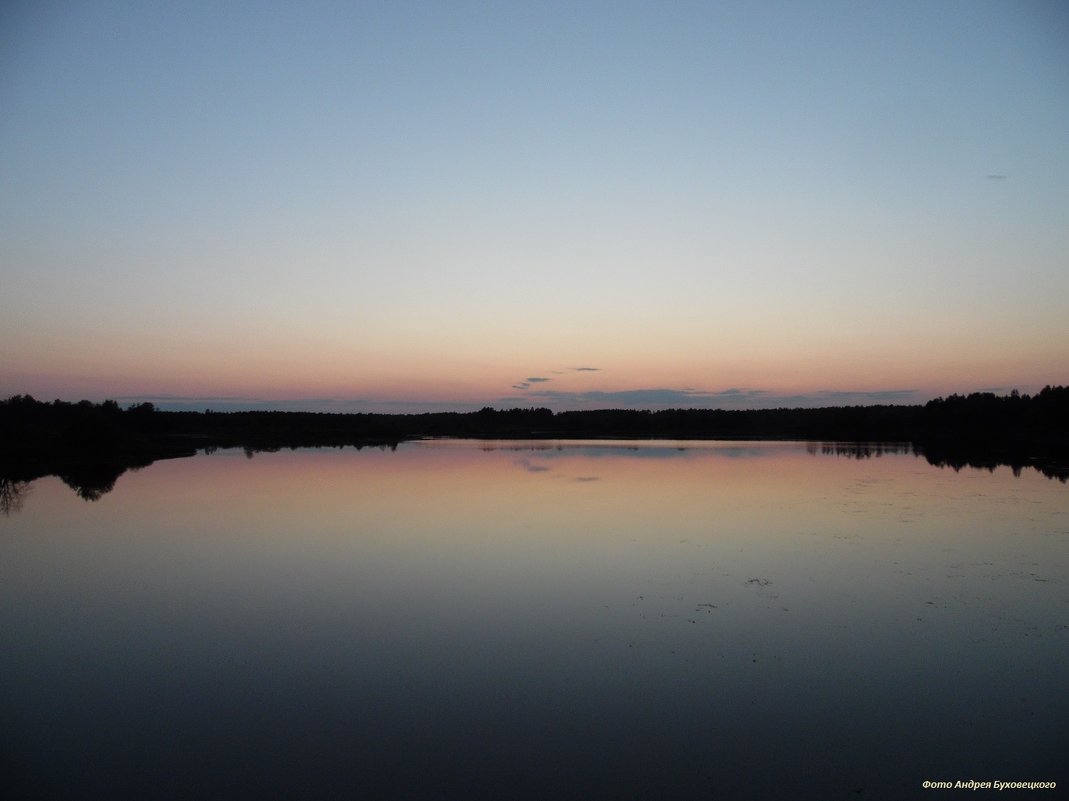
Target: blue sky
[{"x": 427, "y": 203}]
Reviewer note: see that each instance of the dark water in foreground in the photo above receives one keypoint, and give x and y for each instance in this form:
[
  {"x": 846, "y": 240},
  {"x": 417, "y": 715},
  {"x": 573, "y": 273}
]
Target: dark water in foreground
[{"x": 490, "y": 620}]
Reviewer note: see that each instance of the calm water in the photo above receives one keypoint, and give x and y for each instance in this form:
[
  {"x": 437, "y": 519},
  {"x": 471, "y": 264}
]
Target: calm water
[{"x": 499, "y": 620}]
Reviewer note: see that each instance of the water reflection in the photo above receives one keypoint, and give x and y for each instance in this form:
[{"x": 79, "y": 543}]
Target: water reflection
[
  {"x": 92, "y": 480},
  {"x": 858, "y": 450},
  {"x": 12, "y": 495},
  {"x": 464, "y": 619}
]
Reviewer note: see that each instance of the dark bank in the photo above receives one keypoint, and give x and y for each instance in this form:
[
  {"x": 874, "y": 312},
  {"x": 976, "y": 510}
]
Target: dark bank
[{"x": 89, "y": 445}]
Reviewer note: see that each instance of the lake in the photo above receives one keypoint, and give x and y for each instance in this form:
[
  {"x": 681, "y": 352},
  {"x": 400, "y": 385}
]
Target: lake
[{"x": 471, "y": 619}]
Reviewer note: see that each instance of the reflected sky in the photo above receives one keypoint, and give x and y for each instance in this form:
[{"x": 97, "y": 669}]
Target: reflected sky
[{"x": 473, "y": 619}]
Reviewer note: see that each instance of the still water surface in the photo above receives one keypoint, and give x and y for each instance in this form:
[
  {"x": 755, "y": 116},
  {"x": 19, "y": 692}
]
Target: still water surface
[{"x": 536, "y": 620}]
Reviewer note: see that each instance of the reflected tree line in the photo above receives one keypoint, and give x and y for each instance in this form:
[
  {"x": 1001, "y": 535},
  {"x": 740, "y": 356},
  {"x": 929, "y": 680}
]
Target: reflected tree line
[
  {"x": 12, "y": 494},
  {"x": 858, "y": 450},
  {"x": 89, "y": 445}
]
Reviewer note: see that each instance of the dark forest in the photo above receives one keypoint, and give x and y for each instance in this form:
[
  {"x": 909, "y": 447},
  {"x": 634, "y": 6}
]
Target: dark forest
[{"x": 90, "y": 444}]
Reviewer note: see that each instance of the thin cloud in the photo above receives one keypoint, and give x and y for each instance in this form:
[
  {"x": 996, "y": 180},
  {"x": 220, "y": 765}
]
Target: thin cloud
[
  {"x": 880, "y": 396},
  {"x": 175, "y": 403},
  {"x": 659, "y": 396},
  {"x": 558, "y": 400},
  {"x": 735, "y": 392},
  {"x": 190, "y": 399},
  {"x": 525, "y": 384},
  {"x": 995, "y": 177},
  {"x": 832, "y": 397},
  {"x": 732, "y": 398}
]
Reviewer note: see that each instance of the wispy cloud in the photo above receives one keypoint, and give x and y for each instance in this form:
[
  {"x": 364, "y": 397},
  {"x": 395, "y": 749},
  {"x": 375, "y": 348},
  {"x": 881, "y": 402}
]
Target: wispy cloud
[
  {"x": 557, "y": 400},
  {"x": 878, "y": 396},
  {"x": 732, "y": 398},
  {"x": 660, "y": 396},
  {"x": 525, "y": 383},
  {"x": 188, "y": 399},
  {"x": 174, "y": 403}
]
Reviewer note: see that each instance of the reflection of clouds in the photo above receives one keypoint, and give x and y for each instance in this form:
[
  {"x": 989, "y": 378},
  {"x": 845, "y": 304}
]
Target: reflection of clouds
[
  {"x": 552, "y": 450},
  {"x": 533, "y": 467},
  {"x": 530, "y": 467}
]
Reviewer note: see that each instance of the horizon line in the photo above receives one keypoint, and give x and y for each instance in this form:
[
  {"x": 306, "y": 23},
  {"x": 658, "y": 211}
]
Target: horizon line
[{"x": 652, "y": 400}]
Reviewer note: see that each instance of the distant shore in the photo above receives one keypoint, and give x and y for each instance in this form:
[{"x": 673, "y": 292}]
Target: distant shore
[{"x": 91, "y": 444}]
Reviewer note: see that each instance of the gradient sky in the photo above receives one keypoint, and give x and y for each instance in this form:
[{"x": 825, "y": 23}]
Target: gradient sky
[{"x": 448, "y": 204}]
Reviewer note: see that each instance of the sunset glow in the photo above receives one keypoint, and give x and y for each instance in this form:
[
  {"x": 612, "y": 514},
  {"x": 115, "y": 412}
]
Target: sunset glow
[{"x": 401, "y": 208}]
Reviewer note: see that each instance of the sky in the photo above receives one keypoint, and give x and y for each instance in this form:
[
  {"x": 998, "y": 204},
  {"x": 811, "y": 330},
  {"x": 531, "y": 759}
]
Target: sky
[{"x": 424, "y": 206}]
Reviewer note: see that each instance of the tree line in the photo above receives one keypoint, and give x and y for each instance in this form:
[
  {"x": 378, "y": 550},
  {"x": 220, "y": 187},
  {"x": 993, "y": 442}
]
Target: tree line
[
  {"x": 92, "y": 443},
  {"x": 29, "y": 426}
]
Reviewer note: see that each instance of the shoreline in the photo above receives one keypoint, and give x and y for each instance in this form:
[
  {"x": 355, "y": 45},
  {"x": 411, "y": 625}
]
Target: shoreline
[{"x": 90, "y": 445}]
